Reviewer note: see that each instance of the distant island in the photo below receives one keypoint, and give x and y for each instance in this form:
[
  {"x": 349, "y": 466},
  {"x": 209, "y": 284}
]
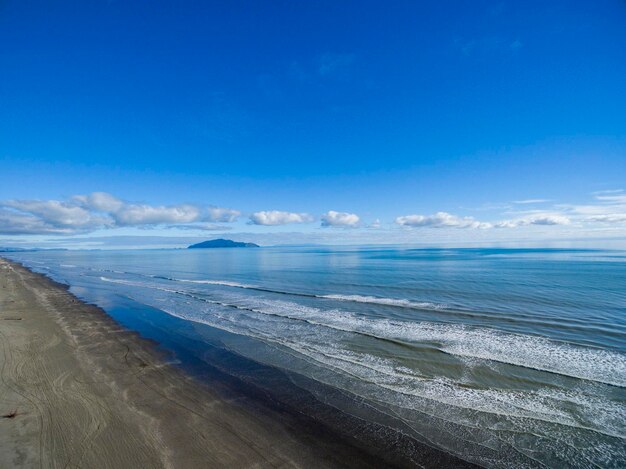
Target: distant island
[{"x": 222, "y": 243}]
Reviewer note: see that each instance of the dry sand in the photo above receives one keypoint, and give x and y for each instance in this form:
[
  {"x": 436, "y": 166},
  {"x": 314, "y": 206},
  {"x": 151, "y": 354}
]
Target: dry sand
[{"x": 78, "y": 390}]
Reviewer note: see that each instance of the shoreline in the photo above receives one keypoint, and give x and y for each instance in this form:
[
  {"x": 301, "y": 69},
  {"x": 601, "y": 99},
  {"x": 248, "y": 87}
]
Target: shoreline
[{"x": 89, "y": 392}]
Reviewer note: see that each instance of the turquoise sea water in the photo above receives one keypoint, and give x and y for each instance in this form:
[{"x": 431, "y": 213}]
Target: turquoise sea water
[{"x": 502, "y": 357}]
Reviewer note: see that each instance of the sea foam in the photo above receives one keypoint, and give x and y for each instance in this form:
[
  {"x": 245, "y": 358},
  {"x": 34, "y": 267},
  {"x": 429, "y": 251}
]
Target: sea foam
[
  {"x": 385, "y": 301},
  {"x": 528, "y": 351}
]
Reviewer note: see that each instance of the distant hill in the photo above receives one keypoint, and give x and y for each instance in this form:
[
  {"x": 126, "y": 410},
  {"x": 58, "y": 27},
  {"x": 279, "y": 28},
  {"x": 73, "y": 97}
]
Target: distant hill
[{"x": 222, "y": 243}]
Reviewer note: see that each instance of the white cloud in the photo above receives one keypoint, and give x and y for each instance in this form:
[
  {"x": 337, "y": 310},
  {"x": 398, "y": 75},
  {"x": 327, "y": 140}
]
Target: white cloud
[
  {"x": 100, "y": 201},
  {"x": 52, "y": 212},
  {"x": 605, "y": 213},
  {"x": 614, "y": 198},
  {"x": 141, "y": 214},
  {"x": 48, "y": 216},
  {"x": 609, "y": 218},
  {"x": 447, "y": 220},
  {"x": 550, "y": 220},
  {"x": 17, "y": 223},
  {"x": 129, "y": 214},
  {"x": 531, "y": 201},
  {"x": 222, "y": 215},
  {"x": 276, "y": 217},
  {"x": 340, "y": 219},
  {"x": 609, "y": 191},
  {"x": 440, "y": 220},
  {"x": 610, "y": 208},
  {"x": 84, "y": 213},
  {"x": 541, "y": 219}
]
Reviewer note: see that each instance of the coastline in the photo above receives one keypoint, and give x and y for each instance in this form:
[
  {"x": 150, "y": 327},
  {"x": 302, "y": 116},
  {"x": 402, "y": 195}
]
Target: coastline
[
  {"x": 85, "y": 392},
  {"x": 89, "y": 392}
]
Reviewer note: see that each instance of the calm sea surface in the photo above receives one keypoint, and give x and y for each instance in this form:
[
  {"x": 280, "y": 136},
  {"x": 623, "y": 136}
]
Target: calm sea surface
[{"x": 502, "y": 357}]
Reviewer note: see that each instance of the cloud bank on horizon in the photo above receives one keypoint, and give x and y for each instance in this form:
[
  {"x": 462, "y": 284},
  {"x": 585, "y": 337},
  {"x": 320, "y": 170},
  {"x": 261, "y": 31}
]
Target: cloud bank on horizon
[{"x": 84, "y": 214}]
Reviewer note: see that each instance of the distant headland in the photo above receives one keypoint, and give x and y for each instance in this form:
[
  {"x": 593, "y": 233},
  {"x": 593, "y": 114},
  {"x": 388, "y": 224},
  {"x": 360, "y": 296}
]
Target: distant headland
[{"x": 222, "y": 243}]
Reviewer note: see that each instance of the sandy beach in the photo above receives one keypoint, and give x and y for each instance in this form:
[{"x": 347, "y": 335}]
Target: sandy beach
[{"x": 77, "y": 390}]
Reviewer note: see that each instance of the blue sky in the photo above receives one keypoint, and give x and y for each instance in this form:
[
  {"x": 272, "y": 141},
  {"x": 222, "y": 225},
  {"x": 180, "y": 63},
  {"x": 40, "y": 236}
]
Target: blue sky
[{"x": 410, "y": 121}]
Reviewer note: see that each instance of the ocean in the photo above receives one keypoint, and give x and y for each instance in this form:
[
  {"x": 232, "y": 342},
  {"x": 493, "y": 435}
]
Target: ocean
[{"x": 500, "y": 357}]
